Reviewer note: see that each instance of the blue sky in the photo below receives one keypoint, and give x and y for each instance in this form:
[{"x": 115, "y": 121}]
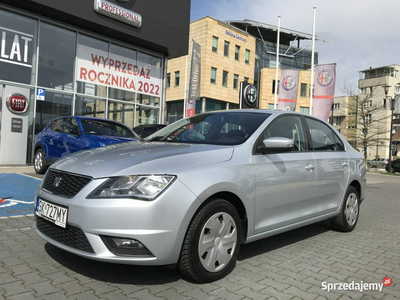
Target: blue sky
[{"x": 361, "y": 33}]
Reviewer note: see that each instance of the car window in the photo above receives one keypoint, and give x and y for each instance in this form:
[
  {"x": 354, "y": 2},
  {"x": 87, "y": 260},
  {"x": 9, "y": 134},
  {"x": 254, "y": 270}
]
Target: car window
[
  {"x": 70, "y": 126},
  {"x": 290, "y": 127},
  {"x": 105, "y": 127},
  {"x": 57, "y": 125},
  {"x": 322, "y": 137},
  {"x": 230, "y": 128}
]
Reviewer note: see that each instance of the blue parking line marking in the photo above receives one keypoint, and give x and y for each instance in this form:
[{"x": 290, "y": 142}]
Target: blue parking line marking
[{"x": 17, "y": 194}]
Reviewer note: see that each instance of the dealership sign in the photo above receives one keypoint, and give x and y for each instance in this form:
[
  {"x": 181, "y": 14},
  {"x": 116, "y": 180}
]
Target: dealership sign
[
  {"x": 17, "y": 103},
  {"x": 15, "y": 47},
  {"x": 99, "y": 67},
  {"x": 117, "y": 12}
]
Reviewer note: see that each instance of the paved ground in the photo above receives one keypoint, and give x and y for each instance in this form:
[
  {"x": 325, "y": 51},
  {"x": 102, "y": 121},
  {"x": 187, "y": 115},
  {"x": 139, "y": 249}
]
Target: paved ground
[{"x": 292, "y": 265}]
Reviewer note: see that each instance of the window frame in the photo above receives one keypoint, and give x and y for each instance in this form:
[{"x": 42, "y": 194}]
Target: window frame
[
  {"x": 226, "y": 48},
  {"x": 214, "y": 48},
  {"x": 177, "y": 77},
  {"x": 247, "y": 58},
  {"x": 305, "y": 134},
  {"x": 235, "y": 81},
  {"x": 168, "y": 83},
  {"x": 237, "y": 53},
  {"x": 213, "y": 81},
  {"x": 225, "y": 78}
]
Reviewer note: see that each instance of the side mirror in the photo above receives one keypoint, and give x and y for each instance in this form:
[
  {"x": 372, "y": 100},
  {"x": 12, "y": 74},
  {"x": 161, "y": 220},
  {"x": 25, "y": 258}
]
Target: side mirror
[{"x": 276, "y": 145}]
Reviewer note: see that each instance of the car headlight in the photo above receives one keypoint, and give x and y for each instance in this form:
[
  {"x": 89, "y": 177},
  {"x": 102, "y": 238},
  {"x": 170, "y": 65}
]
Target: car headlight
[{"x": 145, "y": 187}]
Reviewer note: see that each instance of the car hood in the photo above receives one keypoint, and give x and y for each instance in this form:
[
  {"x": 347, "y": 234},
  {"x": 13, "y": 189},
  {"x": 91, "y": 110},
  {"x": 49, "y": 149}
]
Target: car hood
[
  {"x": 108, "y": 139},
  {"x": 142, "y": 158}
]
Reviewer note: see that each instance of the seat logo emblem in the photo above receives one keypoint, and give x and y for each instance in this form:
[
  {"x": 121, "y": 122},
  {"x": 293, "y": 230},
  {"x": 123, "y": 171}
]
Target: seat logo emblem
[{"x": 57, "y": 181}]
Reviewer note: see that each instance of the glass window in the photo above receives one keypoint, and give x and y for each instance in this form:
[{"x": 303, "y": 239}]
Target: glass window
[
  {"x": 177, "y": 74},
  {"x": 235, "y": 81},
  {"x": 121, "y": 112},
  {"x": 90, "y": 107},
  {"x": 55, "y": 105},
  {"x": 57, "y": 49},
  {"x": 303, "y": 90},
  {"x": 224, "y": 128},
  {"x": 146, "y": 115},
  {"x": 246, "y": 79},
  {"x": 322, "y": 137},
  {"x": 150, "y": 72},
  {"x": 213, "y": 75},
  {"x": 215, "y": 44},
  {"x": 92, "y": 52},
  {"x": 105, "y": 127},
  {"x": 247, "y": 57},
  {"x": 271, "y": 106},
  {"x": 18, "y": 48},
  {"x": 368, "y": 119},
  {"x": 304, "y": 110},
  {"x": 237, "y": 52},
  {"x": 148, "y": 100},
  {"x": 288, "y": 127},
  {"x": 273, "y": 87},
  {"x": 168, "y": 80},
  {"x": 226, "y": 48},
  {"x": 123, "y": 66},
  {"x": 225, "y": 78}
]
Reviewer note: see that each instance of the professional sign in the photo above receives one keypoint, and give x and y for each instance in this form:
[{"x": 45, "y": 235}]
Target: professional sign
[
  {"x": 248, "y": 95},
  {"x": 95, "y": 66},
  {"x": 40, "y": 94},
  {"x": 17, "y": 103},
  {"x": 324, "y": 90},
  {"x": 194, "y": 80},
  {"x": 289, "y": 86},
  {"x": 117, "y": 12}
]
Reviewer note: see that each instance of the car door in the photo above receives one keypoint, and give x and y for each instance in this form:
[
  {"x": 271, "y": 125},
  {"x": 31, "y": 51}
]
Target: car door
[
  {"x": 285, "y": 182},
  {"x": 50, "y": 140},
  {"x": 332, "y": 167}
]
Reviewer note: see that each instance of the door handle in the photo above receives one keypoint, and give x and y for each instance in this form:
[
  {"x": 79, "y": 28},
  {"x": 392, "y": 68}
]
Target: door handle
[
  {"x": 309, "y": 167},
  {"x": 344, "y": 164}
]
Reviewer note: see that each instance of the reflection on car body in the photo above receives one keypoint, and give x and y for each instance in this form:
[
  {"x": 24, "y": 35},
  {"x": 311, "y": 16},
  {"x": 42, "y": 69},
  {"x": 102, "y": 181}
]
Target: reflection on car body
[{"x": 194, "y": 191}]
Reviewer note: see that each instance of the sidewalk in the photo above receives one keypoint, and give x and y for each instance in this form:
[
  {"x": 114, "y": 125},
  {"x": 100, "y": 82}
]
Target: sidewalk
[{"x": 16, "y": 169}]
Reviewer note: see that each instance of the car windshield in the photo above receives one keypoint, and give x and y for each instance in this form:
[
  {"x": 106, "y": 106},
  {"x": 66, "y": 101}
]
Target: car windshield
[
  {"x": 104, "y": 127},
  {"x": 223, "y": 128}
]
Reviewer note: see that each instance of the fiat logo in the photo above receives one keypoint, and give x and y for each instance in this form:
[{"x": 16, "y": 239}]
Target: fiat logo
[{"x": 17, "y": 103}]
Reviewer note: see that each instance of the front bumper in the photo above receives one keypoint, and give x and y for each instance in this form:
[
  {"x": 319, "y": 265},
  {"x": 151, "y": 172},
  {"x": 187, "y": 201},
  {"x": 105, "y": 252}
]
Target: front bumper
[{"x": 159, "y": 225}]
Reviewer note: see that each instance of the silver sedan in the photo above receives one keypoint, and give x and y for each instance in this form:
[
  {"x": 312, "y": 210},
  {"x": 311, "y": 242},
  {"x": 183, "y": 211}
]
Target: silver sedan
[{"x": 193, "y": 192}]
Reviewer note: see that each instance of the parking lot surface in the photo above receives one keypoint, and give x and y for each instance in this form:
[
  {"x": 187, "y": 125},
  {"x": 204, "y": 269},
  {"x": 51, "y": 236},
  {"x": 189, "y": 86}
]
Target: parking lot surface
[{"x": 293, "y": 265}]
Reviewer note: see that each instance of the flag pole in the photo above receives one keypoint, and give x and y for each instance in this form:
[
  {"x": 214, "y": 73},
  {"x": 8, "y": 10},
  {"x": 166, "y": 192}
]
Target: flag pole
[
  {"x": 312, "y": 64},
  {"x": 277, "y": 61}
]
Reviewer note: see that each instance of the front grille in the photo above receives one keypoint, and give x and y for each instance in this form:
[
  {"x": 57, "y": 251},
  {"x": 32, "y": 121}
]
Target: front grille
[
  {"x": 64, "y": 184},
  {"x": 71, "y": 236}
]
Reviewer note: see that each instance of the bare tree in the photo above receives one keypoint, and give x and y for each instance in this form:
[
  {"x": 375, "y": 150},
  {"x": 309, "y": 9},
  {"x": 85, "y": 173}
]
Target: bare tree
[{"x": 371, "y": 117}]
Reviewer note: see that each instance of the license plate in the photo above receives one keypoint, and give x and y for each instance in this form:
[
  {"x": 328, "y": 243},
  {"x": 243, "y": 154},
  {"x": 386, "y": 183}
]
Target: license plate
[{"x": 51, "y": 212}]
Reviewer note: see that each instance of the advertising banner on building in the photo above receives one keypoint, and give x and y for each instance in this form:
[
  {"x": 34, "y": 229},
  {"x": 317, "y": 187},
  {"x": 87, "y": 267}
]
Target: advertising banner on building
[
  {"x": 289, "y": 86},
  {"x": 99, "y": 67},
  {"x": 248, "y": 96},
  {"x": 324, "y": 90},
  {"x": 194, "y": 79}
]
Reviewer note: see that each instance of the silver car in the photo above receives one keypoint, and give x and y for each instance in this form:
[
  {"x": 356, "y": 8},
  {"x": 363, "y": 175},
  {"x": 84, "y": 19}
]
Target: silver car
[{"x": 196, "y": 190}]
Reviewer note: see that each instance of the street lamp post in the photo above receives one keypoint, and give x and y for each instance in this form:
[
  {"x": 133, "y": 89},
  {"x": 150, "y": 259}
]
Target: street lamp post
[{"x": 392, "y": 105}]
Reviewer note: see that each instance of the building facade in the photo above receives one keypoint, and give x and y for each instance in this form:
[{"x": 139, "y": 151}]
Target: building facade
[
  {"x": 95, "y": 58},
  {"x": 366, "y": 116},
  {"x": 378, "y": 87},
  {"x": 234, "y": 52}
]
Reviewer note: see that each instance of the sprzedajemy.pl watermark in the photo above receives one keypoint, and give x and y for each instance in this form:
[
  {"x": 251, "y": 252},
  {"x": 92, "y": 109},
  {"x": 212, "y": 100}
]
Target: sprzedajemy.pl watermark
[{"x": 356, "y": 286}]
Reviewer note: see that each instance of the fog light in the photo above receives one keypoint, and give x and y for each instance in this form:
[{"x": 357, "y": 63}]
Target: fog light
[
  {"x": 126, "y": 247},
  {"x": 128, "y": 243}
]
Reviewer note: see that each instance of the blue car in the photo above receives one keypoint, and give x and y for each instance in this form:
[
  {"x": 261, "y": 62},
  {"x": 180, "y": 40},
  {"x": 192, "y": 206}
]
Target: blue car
[{"x": 66, "y": 135}]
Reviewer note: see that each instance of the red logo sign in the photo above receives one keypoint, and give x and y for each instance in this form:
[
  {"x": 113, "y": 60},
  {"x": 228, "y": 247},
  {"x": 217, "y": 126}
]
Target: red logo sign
[
  {"x": 387, "y": 281},
  {"x": 17, "y": 103}
]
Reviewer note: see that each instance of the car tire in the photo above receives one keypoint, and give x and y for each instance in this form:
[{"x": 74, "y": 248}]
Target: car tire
[
  {"x": 39, "y": 162},
  {"x": 212, "y": 242},
  {"x": 347, "y": 220}
]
